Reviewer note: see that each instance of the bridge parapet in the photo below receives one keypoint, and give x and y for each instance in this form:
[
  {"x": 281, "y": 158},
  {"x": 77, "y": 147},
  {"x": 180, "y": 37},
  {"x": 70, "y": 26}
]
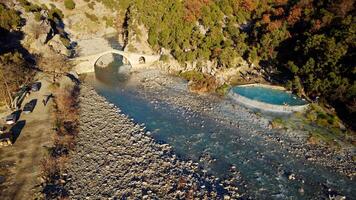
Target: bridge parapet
[{"x": 86, "y": 64}]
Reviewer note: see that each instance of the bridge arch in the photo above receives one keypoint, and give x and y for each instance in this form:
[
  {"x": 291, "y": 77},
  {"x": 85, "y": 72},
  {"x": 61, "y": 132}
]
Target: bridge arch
[
  {"x": 86, "y": 64},
  {"x": 125, "y": 58},
  {"x": 104, "y": 60}
]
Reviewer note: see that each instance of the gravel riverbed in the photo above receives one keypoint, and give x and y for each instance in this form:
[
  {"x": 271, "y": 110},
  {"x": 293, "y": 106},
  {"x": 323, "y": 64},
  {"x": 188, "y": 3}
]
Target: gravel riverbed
[
  {"x": 116, "y": 158},
  {"x": 158, "y": 87}
]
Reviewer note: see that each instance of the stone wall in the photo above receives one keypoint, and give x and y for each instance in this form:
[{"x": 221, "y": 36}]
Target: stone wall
[
  {"x": 266, "y": 106},
  {"x": 276, "y": 87}
]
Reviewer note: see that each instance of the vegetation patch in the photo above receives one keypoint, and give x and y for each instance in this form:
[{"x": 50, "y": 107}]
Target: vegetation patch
[
  {"x": 65, "y": 41},
  {"x": 14, "y": 72},
  {"x": 318, "y": 137},
  {"x": 92, "y": 17},
  {"x": 317, "y": 115},
  {"x": 200, "y": 82},
  {"x": 223, "y": 89},
  {"x": 131, "y": 48},
  {"x": 108, "y": 21},
  {"x": 9, "y": 18},
  {"x": 53, "y": 12},
  {"x": 192, "y": 75},
  {"x": 69, "y": 4},
  {"x": 278, "y": 123},
  {"x": 66, "y": 126},
  {"x": 91, "y": 5},
  {"x": 164, "y": 58},
  {"x": 327, "y": 128},
  {"x": 30, "y": 7}
]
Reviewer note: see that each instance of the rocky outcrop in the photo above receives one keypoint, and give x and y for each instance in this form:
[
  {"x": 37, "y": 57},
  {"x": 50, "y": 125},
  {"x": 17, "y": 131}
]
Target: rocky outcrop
[
  {"x": 137, "y": 41},
  {"x": 56, "y": 44},
  {"x": 36, "y": 35}
]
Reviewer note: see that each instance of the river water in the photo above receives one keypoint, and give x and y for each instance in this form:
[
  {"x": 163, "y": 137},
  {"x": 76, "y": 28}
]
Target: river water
[{"x": 267, "y": 170}]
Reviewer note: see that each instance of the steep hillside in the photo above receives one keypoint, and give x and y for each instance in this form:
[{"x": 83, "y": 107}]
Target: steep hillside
[{"x": 307, "y": 45}]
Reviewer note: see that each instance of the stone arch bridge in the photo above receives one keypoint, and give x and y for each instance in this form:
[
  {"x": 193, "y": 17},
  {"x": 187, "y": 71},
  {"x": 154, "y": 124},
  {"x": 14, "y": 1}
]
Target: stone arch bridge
[{"x": 86, "y": 64}]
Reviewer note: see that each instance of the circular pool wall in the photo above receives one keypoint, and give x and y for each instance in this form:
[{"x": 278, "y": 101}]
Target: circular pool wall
[{"x": 268, "y": 98}]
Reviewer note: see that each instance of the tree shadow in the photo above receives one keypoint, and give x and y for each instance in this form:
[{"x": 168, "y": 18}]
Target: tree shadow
[
  {"x": 17, "y": 129},
  {"x": 114, "y": 43},
  {"x": 53, "y": 191},
  {"x": 11, "y": 42},
  {"x": 57, "y": 28},
  {"x": 74, "y": 78}
]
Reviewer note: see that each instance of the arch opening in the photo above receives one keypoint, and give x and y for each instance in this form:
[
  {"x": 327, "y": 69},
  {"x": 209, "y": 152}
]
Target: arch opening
[
  {"x": 142, "y": 60},
  {"x": 112, "y": 66},
  {"x": 107, "y": 58}
]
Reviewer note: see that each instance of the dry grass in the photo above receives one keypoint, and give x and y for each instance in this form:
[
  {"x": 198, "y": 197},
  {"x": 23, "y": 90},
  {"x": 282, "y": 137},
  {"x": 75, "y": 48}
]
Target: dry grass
[
  {"x": 66, "y": 125},
  {"x": 50, "y": 169}
]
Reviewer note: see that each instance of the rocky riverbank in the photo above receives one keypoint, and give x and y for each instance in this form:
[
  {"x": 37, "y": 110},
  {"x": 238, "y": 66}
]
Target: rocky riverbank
[
  {"x": 158, "y": 87},
  {"x": 114, "y": 157}
]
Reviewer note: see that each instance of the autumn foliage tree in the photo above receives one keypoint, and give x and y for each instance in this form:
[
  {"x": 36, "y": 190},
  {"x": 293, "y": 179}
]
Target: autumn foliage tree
[
  {"x": 294, "y": 15},
  {"x": 249, "y": 5},
  {"x": 193, "y": 9}
]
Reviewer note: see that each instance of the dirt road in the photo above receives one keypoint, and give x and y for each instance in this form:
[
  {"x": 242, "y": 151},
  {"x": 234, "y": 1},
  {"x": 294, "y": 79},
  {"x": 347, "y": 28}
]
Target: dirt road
[{"x": 20, "y": 163}]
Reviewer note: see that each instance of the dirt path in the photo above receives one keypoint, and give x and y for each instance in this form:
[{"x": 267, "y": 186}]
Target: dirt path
[{"x": 20, "y": 163}]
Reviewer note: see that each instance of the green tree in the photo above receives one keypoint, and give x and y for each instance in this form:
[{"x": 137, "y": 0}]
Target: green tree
[
  {"x": 228, "y": 57},
  {"x": 153, "y": 36},
  {"x": 293, "y": 67}
]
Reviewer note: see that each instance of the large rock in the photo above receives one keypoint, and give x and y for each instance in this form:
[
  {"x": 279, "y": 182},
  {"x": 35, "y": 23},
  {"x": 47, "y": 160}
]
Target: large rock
[
  {"x": 35, "y": 37},
  {"x": 56, "y": 44}
]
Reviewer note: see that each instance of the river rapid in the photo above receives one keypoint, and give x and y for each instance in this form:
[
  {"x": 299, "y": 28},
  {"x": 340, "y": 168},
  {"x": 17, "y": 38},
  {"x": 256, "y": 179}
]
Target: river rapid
[{"x": 225, "y": 138}]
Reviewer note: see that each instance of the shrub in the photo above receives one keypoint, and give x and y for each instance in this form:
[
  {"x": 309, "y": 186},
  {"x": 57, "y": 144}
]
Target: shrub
[
  {"x": 33, "y": 8},
  {"x": 164, "y": 58},
  {"x": 199, "y": 82},
  {"x": 322, "y": 122},
  {"x": 92, "y": 17},
  {"x": 69, "y": 4},
  {"x": 91, "y": 5},
  {"x": 9, "y": 18},
  {"x": 277, "y": 123},
  {"x": 23, "y": 2},
  {"x": 38, "y": 16},
  {"x": 50, "y": 169},
  {"x": 311, "y": 116},
  {"x": 192, "y": 75},
  {"x": 55, "y": 13},
  {"x": 67, "y": 104},
  {"x": 223, "y": 89},
  {"x": 109, "y": 21},
  {"x": 65, "y": 41},
  {"x": 14, "y": 71}
]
